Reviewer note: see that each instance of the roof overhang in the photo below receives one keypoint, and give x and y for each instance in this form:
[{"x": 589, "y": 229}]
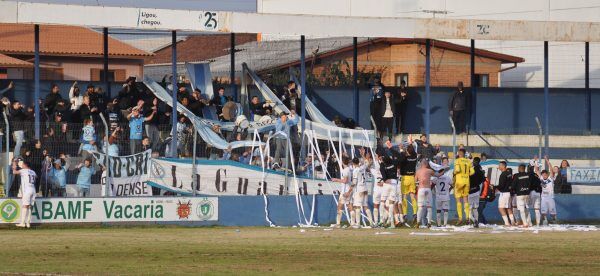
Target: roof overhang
[{"x": 310, "y": 25}]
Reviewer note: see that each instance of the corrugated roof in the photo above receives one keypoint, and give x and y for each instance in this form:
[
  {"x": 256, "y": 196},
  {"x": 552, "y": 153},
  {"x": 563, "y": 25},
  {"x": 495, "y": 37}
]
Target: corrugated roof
[
  {"x": 10, "y": 62},
  {"x": 63, "y": 41}
]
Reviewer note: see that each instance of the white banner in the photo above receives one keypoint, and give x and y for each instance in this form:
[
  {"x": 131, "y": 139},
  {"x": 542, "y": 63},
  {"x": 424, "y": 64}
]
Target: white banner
[
  {"x": 583, "y": 175},
  {"x": 61, "y": 210},
  {"x": 128, "y": 174},
  {"x": 218, "y": 177}
]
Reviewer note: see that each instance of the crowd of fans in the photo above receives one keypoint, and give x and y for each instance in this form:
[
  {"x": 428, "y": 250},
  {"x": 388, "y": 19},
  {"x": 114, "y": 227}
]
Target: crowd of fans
[{"x": 72, "y": 127}]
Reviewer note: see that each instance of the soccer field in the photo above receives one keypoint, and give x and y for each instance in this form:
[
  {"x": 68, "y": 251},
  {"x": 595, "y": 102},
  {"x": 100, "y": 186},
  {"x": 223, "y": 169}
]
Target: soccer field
[{"x": 180, "y": 250}]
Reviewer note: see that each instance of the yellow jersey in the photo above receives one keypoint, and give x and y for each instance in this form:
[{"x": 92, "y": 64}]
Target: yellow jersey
[{"x": 463, "y": 168}]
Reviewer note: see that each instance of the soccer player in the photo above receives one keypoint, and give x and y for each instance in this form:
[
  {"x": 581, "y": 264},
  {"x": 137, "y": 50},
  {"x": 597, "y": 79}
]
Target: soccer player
[
  {"x": 28, "y": 178},
  {"x": 535, "y": 190},
  {"x": 463, "y": 169},
  {"x": 475, "y": 182},
  {"x": 345, "y": 193},
  {"x": 408, "y": 166},
  {"x": 423, "y": 177},
  {"x": 374, "y": 170},
  {"x": 360, "y": 197},
  {"x": 389, "y": 175},
  {"x": 505, "y": 201},
  {"x": 521, "y": 186},
  {"x": 442, "y": 185},
  {"x": 548, "y": 204}
]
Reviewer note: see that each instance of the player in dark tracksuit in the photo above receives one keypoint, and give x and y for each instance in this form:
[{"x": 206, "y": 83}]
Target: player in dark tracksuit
[
  {"x": 505, "y": 199},
  {"x": 535, "y": 192},
  {"x": 521, "y": 186}
]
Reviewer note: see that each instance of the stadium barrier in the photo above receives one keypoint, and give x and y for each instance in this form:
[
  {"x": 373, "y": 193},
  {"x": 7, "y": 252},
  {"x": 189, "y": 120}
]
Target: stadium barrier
[{"x": 232, "y": 210}]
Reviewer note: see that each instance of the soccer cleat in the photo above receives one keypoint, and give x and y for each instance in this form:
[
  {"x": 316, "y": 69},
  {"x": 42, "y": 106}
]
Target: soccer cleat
[
  {"x": 28, "y": 225},
  {"x": 476, "y": 224},
  {"x": 428, "y": 225},
  {"x": 414, "y": 222},
  {"x": 459, "y": 223},
  {"x": 335, "y": 226},
  {"x": 20, "y": 225}
]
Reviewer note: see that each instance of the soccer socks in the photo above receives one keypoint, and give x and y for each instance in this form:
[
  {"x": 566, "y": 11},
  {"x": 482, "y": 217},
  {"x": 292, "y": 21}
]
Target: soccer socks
[
  {"x": 467, "y": 210},
  {"x": 352, "y": 217},
  {"x": 438, "y": 218},
  {"x": 445, "y": 217},
  {"x": 523, "y": 216},
  {"x": 23, "y": 215},
  {"x": 459, "y": 209},
  {"x": 420, "y": 216},
  {"x": 375, "y": 216},
  {"x": 538, "y": 215},
  {"x": 414, "y": 205},
  {"x": 338, "y": 218},
  {"x": 369, "y": 217},
  {"x": 28, "y": 218},
  {"x": 512, "y": 218},
  {"x": 429, "y": 215},
  {"x": 505, "y": 219},
  {"x": 391, "y": 214},
  {"x": 405, "y": 206}
]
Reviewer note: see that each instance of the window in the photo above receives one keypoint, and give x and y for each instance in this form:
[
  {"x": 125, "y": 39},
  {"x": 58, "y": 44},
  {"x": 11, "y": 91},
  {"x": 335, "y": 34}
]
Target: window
[
  {"x": 111, "y": 75},
  {"x": 482, "y": 80},
  {"x": 3, "y": 73},
  {"x": 115, "y": 75},
  {"x": 400, "y": 77}
]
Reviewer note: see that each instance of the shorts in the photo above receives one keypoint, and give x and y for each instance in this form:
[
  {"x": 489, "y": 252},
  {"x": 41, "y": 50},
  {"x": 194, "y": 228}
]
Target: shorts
[
  {"x": 522, "y": 202},
  {"x": 474, "y": 200},
  {"x": 360, "y": 199},
  {"x": 28, "y": 197},
  {"x": 461, "y": 190},
  {"x": 424, "y": 197},
  {"x": 548, "y": 206},
  {"x": 505, "y": 201},
  {"x": 442, "y": 204},
  {"x": 377, "y": 193},
  {"x": 408, "y": 185},
  {"x": 535, "y": 200},
  {"x": 345, "y": 199},
  {"x": 388, "y": 192}
]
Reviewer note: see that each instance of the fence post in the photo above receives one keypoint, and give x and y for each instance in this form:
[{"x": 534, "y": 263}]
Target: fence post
[
  {"x": 194, "y": 170},
  {"x": 287, "y": 157},
  {"x": 108, "y": 180},
  {"x": 8, "y": 182},
  {"x": 453, "y": 136},
  {"x": 540, "y": 136}
]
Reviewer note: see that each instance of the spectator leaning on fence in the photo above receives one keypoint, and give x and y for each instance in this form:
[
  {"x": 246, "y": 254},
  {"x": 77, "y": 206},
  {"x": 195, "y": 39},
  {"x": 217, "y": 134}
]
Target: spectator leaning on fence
[
  {"x": 283, "y": 124},
  {"x": 58, "y": 177},
  {"x": 84, "y": 178}
]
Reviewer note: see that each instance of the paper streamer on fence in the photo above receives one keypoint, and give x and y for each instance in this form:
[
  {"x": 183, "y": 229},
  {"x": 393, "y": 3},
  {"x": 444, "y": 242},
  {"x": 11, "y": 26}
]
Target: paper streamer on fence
[
  {"x": 203, "y": 126},
  {"x": 128, "y": 174},
  {"x": 226, "y": 177},
  {"x": 348, "y": 136},
  {"x": 583, "y": 175}
]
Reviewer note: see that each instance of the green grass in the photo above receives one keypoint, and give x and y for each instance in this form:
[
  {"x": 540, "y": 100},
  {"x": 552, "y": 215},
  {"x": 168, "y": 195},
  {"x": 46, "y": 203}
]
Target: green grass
[{"x": 180, "y": 250}]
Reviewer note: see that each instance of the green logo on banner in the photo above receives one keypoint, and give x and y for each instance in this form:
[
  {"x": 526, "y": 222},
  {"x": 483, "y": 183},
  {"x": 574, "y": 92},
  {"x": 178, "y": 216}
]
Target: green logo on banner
[
  {"x": 9, "y": 210},
  {"x": 205, "y": 209}
]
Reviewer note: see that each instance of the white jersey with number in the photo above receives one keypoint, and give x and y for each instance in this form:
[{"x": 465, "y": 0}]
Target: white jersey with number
[
  {"x": 442, "y": 187},
  {"x": 27, "y": 180},
  {"x": 359, "y": 178},
  {"x": 547, "y": 188}
]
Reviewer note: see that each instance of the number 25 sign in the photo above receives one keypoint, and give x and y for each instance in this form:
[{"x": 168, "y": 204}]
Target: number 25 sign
[{"x": 209, "y": 20}]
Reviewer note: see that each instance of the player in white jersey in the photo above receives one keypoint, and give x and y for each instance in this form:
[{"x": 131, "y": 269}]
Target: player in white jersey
[
  {"x": 360, "y": 198},
  {"x": 548, "y": 204},
  {"x": 374, "y": 170},
  {"x": 345, "y": 198},
  {"x": 28, "y": 177},
  {"x": 442, "y": 185}
]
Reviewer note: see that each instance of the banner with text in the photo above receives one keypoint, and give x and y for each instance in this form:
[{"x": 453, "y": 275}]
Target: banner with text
[
  {"x": 583, "y": 175},
  {"x": 218, "y": 177},
  {"x": 128, "y": 174},
  {"x": 62, "y": 210}
]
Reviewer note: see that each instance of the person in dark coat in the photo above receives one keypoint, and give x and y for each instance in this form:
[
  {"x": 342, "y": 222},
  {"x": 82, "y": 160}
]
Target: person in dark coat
[
  {"x": 459, "y": 106},
  {"x": 401, "y": 100}
]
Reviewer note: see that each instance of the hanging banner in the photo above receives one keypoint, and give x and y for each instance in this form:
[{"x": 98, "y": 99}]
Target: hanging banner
[
  {"x": 64, "y": 210},
  {"x": 128, "y": 174},
  {"x": 224, "y": 177},
  {"x": 583, "y": 175}
]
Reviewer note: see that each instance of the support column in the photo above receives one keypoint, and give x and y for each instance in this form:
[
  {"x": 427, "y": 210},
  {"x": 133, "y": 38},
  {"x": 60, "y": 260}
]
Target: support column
[
  {"x": 174, "y": 94},
  {"x": 473, "y": 111},
  {"x": 303, "y": 80},
  {"x": 546, "y": 102},
  {"x": 355, "y": 78},
  {"x": 427, "y": 86},
  {"x": 232, "y": 68},
  {"x": 36, "y": 80},
  {"x": 105, "y": 80},
  {"x": 588, "y": 92}
]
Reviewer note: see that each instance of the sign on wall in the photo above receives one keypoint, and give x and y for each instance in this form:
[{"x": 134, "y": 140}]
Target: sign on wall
[
  {"x": 65, "y": 210},
  {"x": 583, "y": 175}
]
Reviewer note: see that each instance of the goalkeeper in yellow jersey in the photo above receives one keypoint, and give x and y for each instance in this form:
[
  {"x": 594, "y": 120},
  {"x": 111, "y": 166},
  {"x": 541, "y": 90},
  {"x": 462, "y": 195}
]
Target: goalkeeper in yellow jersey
[{"x": 463, "y": 168}]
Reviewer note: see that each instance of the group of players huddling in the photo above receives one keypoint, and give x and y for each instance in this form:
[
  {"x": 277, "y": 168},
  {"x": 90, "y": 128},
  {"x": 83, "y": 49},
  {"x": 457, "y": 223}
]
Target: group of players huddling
[{"x": 399, "y": 175}]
